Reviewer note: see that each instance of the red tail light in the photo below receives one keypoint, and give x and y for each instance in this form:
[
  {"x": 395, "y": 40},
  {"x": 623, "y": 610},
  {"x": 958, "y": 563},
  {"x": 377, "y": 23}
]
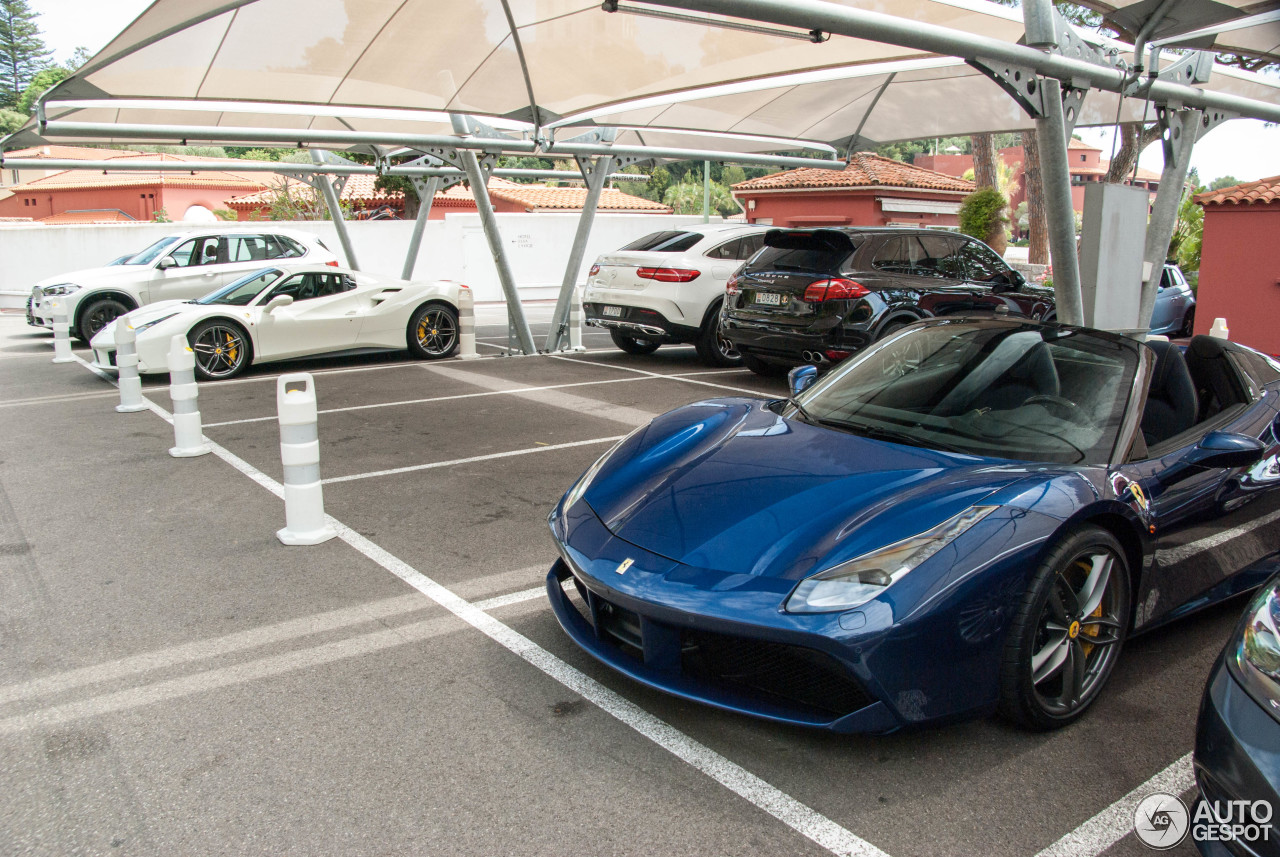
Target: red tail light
[
  {"x": 834, "y": 290},
  {"x": 595, "y": 269},
  {"x": 667, "y": 275},
  {"x": 333, "y": 264},
  {"x": 731, "y": 287},
  {"x": 836, "y": 356}
]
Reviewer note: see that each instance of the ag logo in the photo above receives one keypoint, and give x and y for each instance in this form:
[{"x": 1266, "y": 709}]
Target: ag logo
[{"x": 1161, "y": 821}]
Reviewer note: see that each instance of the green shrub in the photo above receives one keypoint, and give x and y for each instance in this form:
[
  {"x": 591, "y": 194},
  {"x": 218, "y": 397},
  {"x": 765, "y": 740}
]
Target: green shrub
[{"x": 982, "y": 214}]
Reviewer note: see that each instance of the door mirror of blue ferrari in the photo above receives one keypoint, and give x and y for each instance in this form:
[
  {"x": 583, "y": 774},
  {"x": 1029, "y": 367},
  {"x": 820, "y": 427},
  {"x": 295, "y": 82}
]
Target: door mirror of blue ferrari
[
  {"x": 801, "y": 378},
  {"x": 1216, "y": 449},
  {"x": 278, "y": 301}
]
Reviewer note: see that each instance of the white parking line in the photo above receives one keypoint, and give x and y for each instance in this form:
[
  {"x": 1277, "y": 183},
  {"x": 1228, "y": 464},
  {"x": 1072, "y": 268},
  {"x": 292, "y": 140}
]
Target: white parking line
[
  {"x": 755, "y": 393},
  {"x": 513, "y": 598},
  {"x": 761, "y": 794},
  {"x": 437, "y": 399},
  {"x": 1116, "y": 821},
  {"x": 435, "y": 464},
  {"x": 54, "y": 400},
  {"x": 581, "y": 405}
]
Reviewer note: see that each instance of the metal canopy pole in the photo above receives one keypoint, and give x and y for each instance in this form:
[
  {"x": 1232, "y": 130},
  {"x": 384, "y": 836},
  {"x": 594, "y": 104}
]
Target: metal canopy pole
[
  {"x": 1181, "y": 128},
  {"x": 480, "y": 190},
  {"x": 595, "y": 174},
  {"x": 1052, "y": 132},
  {"x": 426, "y": 191},
  {"x": 326, "y": 187}
]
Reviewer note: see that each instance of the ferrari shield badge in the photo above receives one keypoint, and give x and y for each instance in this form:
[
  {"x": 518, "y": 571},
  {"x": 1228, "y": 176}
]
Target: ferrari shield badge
[{"x": 624, "y": 565}]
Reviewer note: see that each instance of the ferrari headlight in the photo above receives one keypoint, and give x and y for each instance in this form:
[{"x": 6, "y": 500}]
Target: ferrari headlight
[
  {"x": 143, "y": 327},
  {"x": 60, "y": 290},
  {"x": 1257, "y": 653},
  {"x": 584, "y": 482},
  {"x": 857, "y": 581}
]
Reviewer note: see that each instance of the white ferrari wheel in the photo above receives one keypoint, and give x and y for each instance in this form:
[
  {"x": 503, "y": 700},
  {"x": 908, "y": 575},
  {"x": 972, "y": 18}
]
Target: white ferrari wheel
[{"x": 433, "y": 331}]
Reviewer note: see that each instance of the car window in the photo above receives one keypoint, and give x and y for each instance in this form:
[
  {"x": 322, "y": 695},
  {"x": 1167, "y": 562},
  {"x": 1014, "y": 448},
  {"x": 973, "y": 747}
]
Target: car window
[
  {"x": 751, "y": 245},
  {"x": 727, "y": 250},
  {"x": 918, "y": 256},
  {"x": 283, "y": 247},
  {"x": 1262, "y": 369},
  {"x": 200, "y": 251},
  {"x": 241, "y": 292},
  {"x": 151, "y": 253},
  {"x": 982, "y": 263},
  {"x": 1166, "y": 279},
  {"x": 304, "y": 287},
  {"x": 666, "y": 242}
]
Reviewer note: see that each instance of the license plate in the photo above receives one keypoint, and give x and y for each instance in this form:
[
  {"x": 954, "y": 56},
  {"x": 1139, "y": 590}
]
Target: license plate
[
  {"x": 769, "y": 298},
  {"x": 615, "y": 311}
]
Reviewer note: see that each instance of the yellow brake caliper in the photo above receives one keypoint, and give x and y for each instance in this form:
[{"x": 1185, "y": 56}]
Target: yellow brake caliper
[
  {"x": 1090, "y": 630},
  {"x": 231, "y": 347}
]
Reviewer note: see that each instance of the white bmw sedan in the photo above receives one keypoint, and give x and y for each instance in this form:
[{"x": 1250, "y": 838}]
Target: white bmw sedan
[{"x": 291, "y": 311}]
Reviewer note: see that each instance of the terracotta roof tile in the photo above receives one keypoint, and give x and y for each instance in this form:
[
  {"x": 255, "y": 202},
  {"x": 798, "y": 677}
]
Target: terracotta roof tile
[
  {"x": 360, "y": 188},
  {"x": 1263, "y": 191},
  {"x": 97, "y": 179},
  {"x": 69, "y": 153},
  {"x": 864, "y": 170},
  {"x": 107, "y": 215}
]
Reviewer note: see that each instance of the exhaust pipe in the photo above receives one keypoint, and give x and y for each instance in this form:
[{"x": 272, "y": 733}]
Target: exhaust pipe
[{"x": 814, "y": 356}]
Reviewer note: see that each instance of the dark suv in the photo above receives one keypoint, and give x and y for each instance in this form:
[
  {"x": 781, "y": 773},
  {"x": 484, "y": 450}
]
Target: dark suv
[{"x": 818, "y": 295}]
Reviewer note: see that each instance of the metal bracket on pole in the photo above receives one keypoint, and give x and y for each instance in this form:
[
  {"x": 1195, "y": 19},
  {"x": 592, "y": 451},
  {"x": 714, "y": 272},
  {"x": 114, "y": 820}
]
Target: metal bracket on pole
[
  {"x": 478, "y": 177},
  {"x": 1180, "y": 128},
  {"x": 1189, "y": 70},
  {"x": 332, "y": 188},
  {"x": 1027, "y": 88}
]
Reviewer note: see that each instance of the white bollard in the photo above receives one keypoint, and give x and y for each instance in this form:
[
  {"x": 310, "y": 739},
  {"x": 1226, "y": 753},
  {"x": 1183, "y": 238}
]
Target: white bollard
[
  {"x": 127, "y": 362},
  {"x": 1219, "y": 329},
  {"x": 188, "y": 436},
  {"x": 575, "y": 321},
  {"x": 61, "y": 334},
  {"x": 305, "y": 522},
  {"x": 466, "y": 324}
]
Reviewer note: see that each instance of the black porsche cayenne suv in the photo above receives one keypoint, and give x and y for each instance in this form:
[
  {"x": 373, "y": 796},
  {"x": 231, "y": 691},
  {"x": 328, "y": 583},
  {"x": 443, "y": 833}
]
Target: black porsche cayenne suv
[{"x": 818, "y": 295}]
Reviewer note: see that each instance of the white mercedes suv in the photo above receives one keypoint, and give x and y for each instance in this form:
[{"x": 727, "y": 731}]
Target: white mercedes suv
[
  {"x": 182, "y": 266},
  {"x": 667, "y": 288}
]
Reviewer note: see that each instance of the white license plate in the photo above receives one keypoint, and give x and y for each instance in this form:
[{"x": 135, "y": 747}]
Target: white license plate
[
  {"x": 769, "y": 298},
  {"x": 615, "y": 311}
]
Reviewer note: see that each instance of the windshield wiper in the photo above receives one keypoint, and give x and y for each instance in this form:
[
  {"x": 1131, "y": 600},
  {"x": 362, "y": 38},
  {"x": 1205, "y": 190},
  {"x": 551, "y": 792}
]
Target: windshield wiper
[
  {"x": 800, "y": 409},
  {"x": 892, "y": 435}
]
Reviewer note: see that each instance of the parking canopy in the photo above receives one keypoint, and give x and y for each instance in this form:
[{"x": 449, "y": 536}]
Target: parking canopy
[{"x": 1246, "y": 27}]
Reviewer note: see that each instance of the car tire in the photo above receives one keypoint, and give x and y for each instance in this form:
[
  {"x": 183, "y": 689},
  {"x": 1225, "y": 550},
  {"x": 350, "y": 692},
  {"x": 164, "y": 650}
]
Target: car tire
[
  {"x": 433, "y": 331},
  {"x": 1188, "y": 322},
  {"x": 222, "y": 349},
  {"x": 1054, "y": 666},
  {"x": 633, "y": 344},
  {"x": 763, "y": 368},
  {"x": 97, "y": 315},
  {"x": 890, "y": 329},
  {"x": 713, "y": 348}
]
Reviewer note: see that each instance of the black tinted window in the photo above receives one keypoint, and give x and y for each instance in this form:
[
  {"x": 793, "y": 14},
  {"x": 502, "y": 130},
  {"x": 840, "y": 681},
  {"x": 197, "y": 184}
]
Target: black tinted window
[
  {"x": 983, "y": 265},
  {"x": 666, "y": 242},
  {"x": 816, "y": 259},
  {"x": 918, "y": 256},
  {"x": 727, "y": 250},
  {"x": 751, "y": 245}
]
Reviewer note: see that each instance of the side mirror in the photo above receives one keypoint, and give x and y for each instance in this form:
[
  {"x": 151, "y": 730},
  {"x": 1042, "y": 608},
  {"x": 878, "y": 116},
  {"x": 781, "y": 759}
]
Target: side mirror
[
  {"x": 1016, "y": 278},
  {"x": 801, "y": 378},
  {"x": 166, "y": 263},
  {"x": 277, "y": 302},
  {"x": 1216, "y": 449}
]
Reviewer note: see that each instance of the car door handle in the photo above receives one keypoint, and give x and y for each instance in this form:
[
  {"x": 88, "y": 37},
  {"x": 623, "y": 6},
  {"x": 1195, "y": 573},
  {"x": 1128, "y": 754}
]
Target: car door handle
[{"x": 210, "y": 273}]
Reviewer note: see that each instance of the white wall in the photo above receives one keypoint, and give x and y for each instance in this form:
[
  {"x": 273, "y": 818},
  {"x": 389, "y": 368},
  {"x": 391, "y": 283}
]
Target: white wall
[{"x": 454, "y": 248}]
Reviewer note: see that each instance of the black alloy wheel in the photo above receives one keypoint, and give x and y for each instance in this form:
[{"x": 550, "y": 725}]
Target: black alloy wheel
[
  {"x": 98, "y": 315},
  {"x": 222, "y": 349},
  {"x": 1067, "y": 634},
  {"x": 433, "y": 332},
  {"x": 714, "y": 348}
]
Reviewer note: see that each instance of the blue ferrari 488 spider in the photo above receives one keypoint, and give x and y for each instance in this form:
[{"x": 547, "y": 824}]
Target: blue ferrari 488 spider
[{"x": 972, "y": 515}]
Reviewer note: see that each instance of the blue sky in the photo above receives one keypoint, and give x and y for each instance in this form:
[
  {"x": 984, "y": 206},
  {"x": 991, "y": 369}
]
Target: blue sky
[{"x": 1243, "y": 148}]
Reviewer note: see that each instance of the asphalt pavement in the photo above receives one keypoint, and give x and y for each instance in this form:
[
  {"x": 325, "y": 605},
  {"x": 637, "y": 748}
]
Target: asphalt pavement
[{"x": 173, "y": 680}]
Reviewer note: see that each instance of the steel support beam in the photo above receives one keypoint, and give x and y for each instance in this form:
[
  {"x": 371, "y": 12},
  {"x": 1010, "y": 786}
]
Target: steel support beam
[
  {"x": 645, "y": 153},
  {"x": 595, "y": 175},
  {"x": 426, "y": 190},
  {"x": 1052, "y": 132},
  {"x": 326, "y": 186},
  {"x": 1180, "y": 128},
  {"x": 479, "y": 180},
  {"x": 909, "y": 33}
]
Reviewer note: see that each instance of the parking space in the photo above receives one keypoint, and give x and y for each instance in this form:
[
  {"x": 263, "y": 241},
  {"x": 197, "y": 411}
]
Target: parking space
[{"x": 177, "y": 681}]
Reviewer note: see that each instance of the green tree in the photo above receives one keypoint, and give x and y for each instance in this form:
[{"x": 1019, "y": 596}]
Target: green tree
[
  {"x": 41, "y": 82},
  {"x": 1225, "y": 181},
  {"x": 11, "y": 121},
  {"x": 1188, "y": 232},
  {"x": 686, "y": 198},
  {"x": 982, "y": 215},
  {"x": 79, "y": 57},
  {"x": 22, "y": 52}
]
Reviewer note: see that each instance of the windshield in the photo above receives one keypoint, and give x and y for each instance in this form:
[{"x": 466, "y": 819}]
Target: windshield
[
  {"x": 242, "y": 291},
  {"x": 149, "y": 255},
  {"x": 1002, "y": 390}
]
